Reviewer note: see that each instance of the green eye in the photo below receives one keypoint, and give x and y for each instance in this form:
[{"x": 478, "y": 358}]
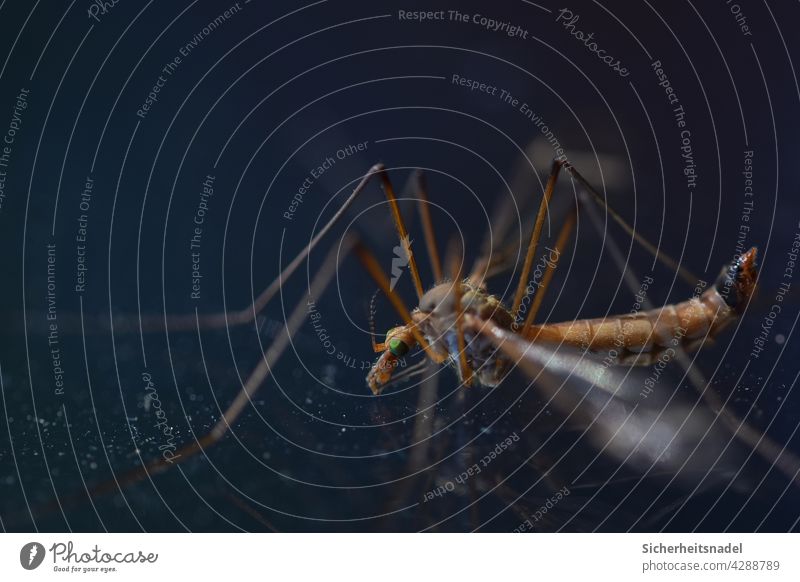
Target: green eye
[{"x": 398, "y": 347}]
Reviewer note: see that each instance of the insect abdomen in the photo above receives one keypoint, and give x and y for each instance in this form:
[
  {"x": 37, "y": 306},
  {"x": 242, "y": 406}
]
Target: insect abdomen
[{"x": 668, "y": 326}]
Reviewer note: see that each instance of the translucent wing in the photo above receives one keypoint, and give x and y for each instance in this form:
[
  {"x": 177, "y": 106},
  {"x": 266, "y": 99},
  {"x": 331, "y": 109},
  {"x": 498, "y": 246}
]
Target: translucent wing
[{"x": 664, "y": 430}]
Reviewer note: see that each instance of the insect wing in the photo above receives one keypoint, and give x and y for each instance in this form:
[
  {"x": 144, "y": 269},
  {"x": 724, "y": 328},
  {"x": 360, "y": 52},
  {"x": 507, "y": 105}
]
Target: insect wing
[{"x": 663, "y": 431}]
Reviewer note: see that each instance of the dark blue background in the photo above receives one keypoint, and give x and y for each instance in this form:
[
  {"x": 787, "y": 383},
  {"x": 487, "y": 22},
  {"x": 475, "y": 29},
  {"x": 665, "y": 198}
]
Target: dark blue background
[{"x": 317, "y": 452}]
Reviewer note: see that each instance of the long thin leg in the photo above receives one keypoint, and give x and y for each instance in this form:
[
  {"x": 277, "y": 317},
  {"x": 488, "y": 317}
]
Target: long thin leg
[
  {"x": 423, "y": 425},
  {"x": 536, "y": 234},
  {"x": 505, "y": 214},
  {"x": 646, "y": 244},
  {"x": 764, "y": 445},
  {"x": 561, "y": 243},
  {"x": 373, "y": 268},
  {"x": 376, "y": 346},
  {"x": 409, "y": 373},
  {"x": 244, "y": 506},
  {"x": 427, "y": 225},
  {"x": 400, "y": 226},
  {"x": 419, "y": 454},
  {"x": 454, "y": 266},
  {"x": 249, "y": 313},
  {"x": 252, "y": 384}
]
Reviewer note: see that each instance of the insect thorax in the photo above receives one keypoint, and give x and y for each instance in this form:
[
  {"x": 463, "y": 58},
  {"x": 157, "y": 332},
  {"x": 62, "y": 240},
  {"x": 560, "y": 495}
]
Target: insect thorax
[{"x": 436, "y": 318}]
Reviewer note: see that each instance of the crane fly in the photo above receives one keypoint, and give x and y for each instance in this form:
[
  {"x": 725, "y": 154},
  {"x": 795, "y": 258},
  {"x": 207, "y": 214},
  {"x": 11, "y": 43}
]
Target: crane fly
[{"x": 458, "y": 322}]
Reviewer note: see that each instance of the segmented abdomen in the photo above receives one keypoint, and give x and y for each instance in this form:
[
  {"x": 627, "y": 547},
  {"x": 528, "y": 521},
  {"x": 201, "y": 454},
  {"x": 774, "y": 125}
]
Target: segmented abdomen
[
  {"x": 670, "y": 326},
  {"x": 641, "y": 332}
]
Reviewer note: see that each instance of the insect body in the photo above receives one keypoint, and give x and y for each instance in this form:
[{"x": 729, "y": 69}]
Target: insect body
[
  {"x": 449, "y": 318},
  {"x": 463, "y": 325},
  {"x": 436, "y": 318},
  {"x": 639, "y": 338},
  {"x": 648, "y": 333}
]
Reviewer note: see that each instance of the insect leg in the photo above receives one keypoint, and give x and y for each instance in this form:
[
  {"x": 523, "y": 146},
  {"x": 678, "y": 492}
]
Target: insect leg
[
  {"x": 249, "y": 313},
  {"x": 250, "y": 387},
  {"x": 454, "y": 266},
  {"x": 660, "y": 255},
  {"x": 758, "y": 441},
  {"x": 536, "y": 234},
  {"x": 427, "y": 225},
  {"x": 373, "y": 268},
  {"x": 408, "y": 373},
  {"x": 377, "y": 347},
  {"x": 561, "y": 243},
  {"x": 407, "y": 490},
  {"x": 400, "y": 226},
  {"x": 505, "y": 229}
]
